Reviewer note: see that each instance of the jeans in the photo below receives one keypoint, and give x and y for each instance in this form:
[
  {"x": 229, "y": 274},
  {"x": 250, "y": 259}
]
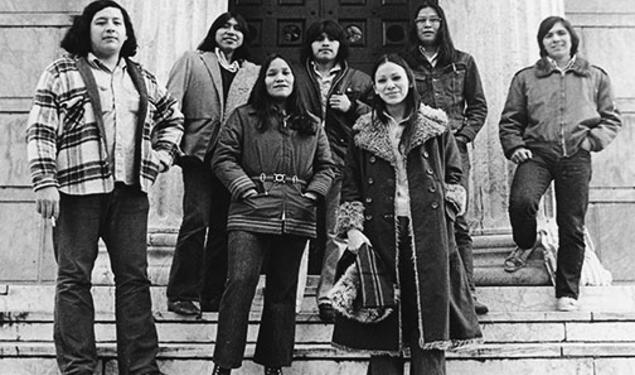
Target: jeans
[
  {"x": 572, "y": 176},
  {"x": 332, "y": 251},
  {"x": 276, "y": 335},
  {"x": 423, "y": 362},
  {"x": 461, "y": 227},
  {"x": 199, "y": 269},
  {"x": 120, "y": 218}
]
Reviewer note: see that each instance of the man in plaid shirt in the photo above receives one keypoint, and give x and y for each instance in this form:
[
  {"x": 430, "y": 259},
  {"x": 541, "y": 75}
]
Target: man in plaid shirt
[{"x": 99, "y": 132}]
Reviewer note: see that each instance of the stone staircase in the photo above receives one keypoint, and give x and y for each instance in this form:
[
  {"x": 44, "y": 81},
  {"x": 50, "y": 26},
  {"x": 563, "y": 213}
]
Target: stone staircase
[{"x": 523, "y": 334}]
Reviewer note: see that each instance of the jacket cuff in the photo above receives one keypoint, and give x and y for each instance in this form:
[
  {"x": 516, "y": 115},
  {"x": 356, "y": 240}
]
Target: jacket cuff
[
  {"x": 350, "y": 215},
  {"x": 239, "y": 186},
  {"x": 456, "y": 196}
]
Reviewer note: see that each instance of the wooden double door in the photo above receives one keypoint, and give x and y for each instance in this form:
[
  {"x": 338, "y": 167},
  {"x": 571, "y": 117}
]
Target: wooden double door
[{"x": 373, "y": 26}]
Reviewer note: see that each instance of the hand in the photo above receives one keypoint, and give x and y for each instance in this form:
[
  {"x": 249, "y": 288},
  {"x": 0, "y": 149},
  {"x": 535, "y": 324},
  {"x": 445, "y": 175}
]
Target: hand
[
  {"x": 165, "y": 160},
  {"x": 356, "y": 239},
  {"x": 586, "y": 144},
  {"x": 310, "y": 195},
  {"x": 521, "y": 154},
  {"x": 340, "y": 102},
  {"x": 250, "y": 193},
  {"x": 47, "y": 202}
]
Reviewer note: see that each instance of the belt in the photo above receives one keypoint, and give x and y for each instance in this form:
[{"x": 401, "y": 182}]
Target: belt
[{"x": 279, "y": 178}]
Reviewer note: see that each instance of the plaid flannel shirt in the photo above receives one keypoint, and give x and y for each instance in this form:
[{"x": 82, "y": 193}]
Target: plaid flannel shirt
[{"x": 66, "y": 147}]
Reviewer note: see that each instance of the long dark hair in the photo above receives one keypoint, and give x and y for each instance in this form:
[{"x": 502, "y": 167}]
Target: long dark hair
[
  {"x": 209, "y": 43},
  {"x": 547, "y": 24},
  {"x": 412, "y": 99},
  {"x": 77, "y": 39},
  {"x": 299, "y": 116},
  {"x": 334, "y": 30},
  {"x": 444, "y": 40}
]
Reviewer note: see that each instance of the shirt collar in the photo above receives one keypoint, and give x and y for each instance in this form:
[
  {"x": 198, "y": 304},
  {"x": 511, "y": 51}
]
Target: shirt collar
[
  {"x": 336, "y": 68},
  {"x": 569, "y": 65},
  {"x": 96, "y": 63},
  {"x": 433, "y": 59}
]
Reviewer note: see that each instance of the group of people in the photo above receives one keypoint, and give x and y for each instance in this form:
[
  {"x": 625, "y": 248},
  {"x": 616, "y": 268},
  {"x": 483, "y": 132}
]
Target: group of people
[{"x": 265, "y": 150}]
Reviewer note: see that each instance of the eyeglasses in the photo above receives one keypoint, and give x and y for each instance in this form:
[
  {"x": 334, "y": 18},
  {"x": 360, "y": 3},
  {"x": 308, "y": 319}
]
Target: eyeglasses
[{"x": 430, "y": 20}]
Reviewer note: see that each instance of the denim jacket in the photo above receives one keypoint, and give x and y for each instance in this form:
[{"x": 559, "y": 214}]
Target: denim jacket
[
  {"x": 554, "y": 112},
  {"x": 454, "y": 87}
]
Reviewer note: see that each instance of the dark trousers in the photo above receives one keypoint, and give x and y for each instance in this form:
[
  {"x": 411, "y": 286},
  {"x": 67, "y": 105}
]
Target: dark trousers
[
  {"x": 199, "y": 268},
  {"x": 572, "y": 176},
  {"x": 120, "y": 218},
  {"x": 422, "y": 362},
  {"x": 276, "y": 335},
  {"x": 331, "y": 250},
  {"x": 461, "y": 227}
]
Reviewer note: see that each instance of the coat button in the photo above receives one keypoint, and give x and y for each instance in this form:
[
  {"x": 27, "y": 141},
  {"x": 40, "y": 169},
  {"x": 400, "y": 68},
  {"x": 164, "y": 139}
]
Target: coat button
[
  {"x": 425, "y": 154},
  {"x": 434, "y": 205},
  {"x": 388, "y": 217},
  {"x": 369, "y": 200},
  {"x": 370, "y": 181},
  {"x": 430, "y": 172},
  {"x": 372, "y": 159},
  {"x": 432, "y": 189},
  {"x": 368, "y": 217}
]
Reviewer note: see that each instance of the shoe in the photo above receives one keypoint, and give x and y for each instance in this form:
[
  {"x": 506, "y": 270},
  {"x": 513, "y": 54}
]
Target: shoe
[
  {"x": 480, "y": 307},
  {"x": 221, "y": 371},
  {"x": 566, "y": 304},
  {"x": 327, "y": 312},
  {"x": 187, "y": 308},
  {"x": 273, "y": 371},
  {"x": 210, "y": 305},
  {"x": 517, "y": 259}
]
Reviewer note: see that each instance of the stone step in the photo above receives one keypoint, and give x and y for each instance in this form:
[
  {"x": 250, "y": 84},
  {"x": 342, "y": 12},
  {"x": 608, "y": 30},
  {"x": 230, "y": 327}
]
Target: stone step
[
  {"x": 552, "y": 359},
  {"x": 489, "y": 254}
]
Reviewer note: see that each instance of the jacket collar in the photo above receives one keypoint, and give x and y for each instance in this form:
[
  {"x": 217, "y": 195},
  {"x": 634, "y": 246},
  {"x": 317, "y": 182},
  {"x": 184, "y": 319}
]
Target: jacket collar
[
  {"x": 545, "y": 68},
  {"x": 372, "y": 135}
]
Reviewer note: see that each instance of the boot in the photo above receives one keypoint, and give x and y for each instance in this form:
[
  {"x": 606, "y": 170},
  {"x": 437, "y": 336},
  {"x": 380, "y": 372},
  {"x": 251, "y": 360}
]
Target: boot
[
  {"x": 221, "y": 371},
  {"x": 273, "y": 371}
]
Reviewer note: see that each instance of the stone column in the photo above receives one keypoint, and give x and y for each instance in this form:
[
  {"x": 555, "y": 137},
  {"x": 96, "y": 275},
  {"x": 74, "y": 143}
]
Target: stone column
[{"x": 501, "y": 35}]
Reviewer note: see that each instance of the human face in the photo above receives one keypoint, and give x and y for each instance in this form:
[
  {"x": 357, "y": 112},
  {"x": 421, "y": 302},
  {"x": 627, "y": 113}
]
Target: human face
[
  {"x": 229, "y": 37},
  {"x": 279, "y": 79},
  {"x": 391, "y": 83},
  {"x": 325, "y": 49},
  {"x": 107, "y": 33},
  {"x": 428, "y": 24},
  {"x": 557, "y": 42}
]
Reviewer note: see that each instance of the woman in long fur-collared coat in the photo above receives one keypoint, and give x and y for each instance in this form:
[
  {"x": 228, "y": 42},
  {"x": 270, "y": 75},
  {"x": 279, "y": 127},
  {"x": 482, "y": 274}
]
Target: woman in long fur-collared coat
[{"x": 401, "y": 194}]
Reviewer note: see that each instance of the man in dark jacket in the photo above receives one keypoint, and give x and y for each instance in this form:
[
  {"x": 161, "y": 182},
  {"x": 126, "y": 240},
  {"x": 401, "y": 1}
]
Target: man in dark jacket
[
  {"x": 333, "y": 90},
  {"x": 448, "y": 79}
]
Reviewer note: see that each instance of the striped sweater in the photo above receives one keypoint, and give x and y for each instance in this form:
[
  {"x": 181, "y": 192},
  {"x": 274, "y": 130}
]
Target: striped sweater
[{"x": 66, "y": 147}]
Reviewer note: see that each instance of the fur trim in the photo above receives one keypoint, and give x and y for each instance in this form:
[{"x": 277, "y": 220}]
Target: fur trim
[
  {"x": 344, "y": 299},
  {"x": 450, "y": 344},
  {"x": 372, "y": 135},
  {"x": 350, "y": 215},
  {"x": 456, "y": 196}
]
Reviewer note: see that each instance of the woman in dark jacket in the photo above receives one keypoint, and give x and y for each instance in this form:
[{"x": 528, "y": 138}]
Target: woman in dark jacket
[
  {"x": 273, "y": 157},
  {"x": 401, "y": 194}
]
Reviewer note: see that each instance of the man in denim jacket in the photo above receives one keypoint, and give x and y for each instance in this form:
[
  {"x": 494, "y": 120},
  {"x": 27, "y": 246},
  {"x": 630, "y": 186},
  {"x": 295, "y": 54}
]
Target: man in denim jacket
[{"x": 448, "y": 79}]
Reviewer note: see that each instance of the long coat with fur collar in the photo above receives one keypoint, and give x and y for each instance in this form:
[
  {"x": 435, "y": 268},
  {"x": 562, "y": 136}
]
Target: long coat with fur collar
[{"x": 446, "y": 316}]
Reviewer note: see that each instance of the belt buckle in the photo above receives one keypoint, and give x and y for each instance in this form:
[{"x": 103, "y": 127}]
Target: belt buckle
[{"x": 279, "y": 178}]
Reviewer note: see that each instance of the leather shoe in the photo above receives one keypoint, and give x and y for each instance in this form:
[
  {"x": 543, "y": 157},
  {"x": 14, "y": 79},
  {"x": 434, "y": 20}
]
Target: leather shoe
[
  {"x": 183, "y": 308},
  {"x": 480, "y": 307},
  {"x": 327, "y": 312}
]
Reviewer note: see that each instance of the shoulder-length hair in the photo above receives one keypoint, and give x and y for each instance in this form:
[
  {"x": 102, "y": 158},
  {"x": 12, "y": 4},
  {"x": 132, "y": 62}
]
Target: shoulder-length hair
[
  {"x": 444, "y": 40},
  {"x": 209, "y": 43},
  {"x": 299, "y": 116},
  {"x": 412, "y": 100},
  {"x": 334, "y": 31},
  {"x": 547, "y": 24},
  {"x": 77, "y": 38}
]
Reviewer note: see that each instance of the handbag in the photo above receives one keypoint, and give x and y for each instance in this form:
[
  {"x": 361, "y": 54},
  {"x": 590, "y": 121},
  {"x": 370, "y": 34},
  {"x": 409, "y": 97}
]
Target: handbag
[{"x": 364, "y": 290}]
